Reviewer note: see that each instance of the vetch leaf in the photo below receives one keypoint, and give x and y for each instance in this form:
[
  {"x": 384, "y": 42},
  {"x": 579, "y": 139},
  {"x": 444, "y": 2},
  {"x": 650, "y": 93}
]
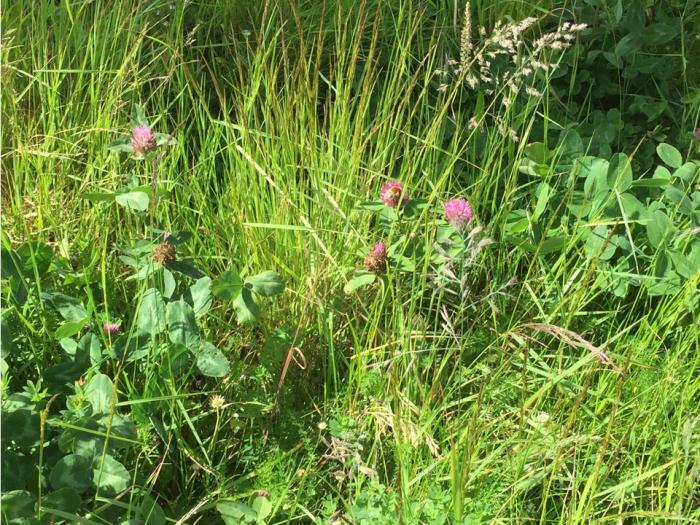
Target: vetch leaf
[{"x": 267, "y": 283}]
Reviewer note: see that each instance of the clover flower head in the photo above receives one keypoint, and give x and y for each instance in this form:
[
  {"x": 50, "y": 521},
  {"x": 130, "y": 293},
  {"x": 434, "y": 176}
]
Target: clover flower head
[
  {"x": 393, "y": 194},
  {"x": 111, "y": 329},
  {"x": 458, "y": 212},
  {"x": 377, "y": 258},
  {"x": 142, "y": 140}
]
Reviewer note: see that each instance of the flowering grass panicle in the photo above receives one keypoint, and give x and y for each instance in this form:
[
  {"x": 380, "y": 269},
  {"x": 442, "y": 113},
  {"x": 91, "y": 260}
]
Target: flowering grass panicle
[
  {"x": 142, "y": 140},
  {"x": 376, "y": 258},
  {"x": 458, "y": 212},
  {"x": 393, "y": 194}
]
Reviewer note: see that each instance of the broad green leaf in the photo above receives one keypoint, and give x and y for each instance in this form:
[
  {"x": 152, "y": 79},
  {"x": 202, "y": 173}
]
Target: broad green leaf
[
  {"x": 236, "y": 513},
  {"x": 227, "y": 286},
  {"x": 35, "y": 256},
  {"x": 66, "y": 499},
  {"x": 537, "y": 152},
  {"x": 211, "y": 361},
  {"x": 628, "y": 45},
  {"x": 151, "y": 316},
  {"x": 99, "y": 393},
  {"x": 110, "y": 476},
  {"x": 71, "y": 471},
  {"x": 596, "y": 241},
  {"x": 247, "y": 310},
  {"x": 687, "y": 173},
  {"x": 360, "y": 279},
  {"x": 631, "y": 206},
  {"x": 267, "y": 283},
  {"x": 619, "y": 172},
  {"x": 595, "y": 171},
  {"x": 17, "y": 505},
  {"x": 19, "y": 419},
  {"x": 670, "y": 155},
  {"x": 70, "y": 309},
  {"x": 200, "y": 292},
  {"x": 262, "y": 506},
  {"x": 70, "y": 328},
  {"x": 182, "y": 327},
  {"x": 168, "y": 283},
  {"x": 150, "y": 512},
  {"x": 658, "y": 227},
  {"x": 133, "y": 200}
]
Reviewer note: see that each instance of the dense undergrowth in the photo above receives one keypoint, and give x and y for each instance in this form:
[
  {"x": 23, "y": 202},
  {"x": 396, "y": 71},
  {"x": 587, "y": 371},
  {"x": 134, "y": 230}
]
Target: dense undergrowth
[{"x": 350, "y": 262}]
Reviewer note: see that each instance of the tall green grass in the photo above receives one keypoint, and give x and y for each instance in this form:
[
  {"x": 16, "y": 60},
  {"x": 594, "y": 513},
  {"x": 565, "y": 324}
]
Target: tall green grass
[{"x": 285, "y": 118}]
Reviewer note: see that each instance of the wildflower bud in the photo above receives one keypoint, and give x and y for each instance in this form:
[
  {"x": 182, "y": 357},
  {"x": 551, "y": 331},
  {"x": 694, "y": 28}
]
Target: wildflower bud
[
  {"x": 393, "y": 194},
  {"x": 697, "y": 133},
  {"x": 458, "y": 213},
  {"x": 142, "y": 140},
  {"x": 111, "y": 329},
  {"x": 164, "y": 254},
  {"x": 376, "y": 258}
]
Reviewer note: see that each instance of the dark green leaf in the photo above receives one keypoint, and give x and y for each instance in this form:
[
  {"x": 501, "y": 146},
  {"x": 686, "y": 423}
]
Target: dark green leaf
[
  {"x": 71, "y": 471},
  {"x": 182, "y": 327},
  {"x": 619, "y": 172},
  {"x": 99, "y": 393},
  {"x": 227, "y": 286},
  {"x": 200, "y": 292},
  {"x": 267, "y": 283},
  {"x": 110, "y": 476},
  {"x": 246, "y": 308},
  {"x": 70, "y": 328},
  {"x": 211, "y": 361},
  {"x": 16, "y": 505},
  {"x": 670, "y": 155},
  {"x": 151, "y": 316}
]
